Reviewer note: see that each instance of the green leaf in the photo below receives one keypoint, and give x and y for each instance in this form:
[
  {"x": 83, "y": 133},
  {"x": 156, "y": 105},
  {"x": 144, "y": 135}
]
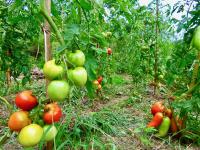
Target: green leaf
[{"x": 85, "y": 4}]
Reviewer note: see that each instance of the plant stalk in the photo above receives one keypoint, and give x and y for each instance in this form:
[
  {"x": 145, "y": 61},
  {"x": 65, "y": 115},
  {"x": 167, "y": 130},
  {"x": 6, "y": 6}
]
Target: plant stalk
[{"x": 44, "y": 12}]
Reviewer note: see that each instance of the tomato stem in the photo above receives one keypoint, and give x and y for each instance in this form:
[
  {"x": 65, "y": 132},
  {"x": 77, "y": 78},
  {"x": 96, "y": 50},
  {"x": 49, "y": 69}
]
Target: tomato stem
[{"x": 43, "y": 11}]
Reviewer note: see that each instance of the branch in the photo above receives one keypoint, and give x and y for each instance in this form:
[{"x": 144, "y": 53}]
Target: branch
[
  {"x": 43, "y": 11},
  {"x": 190, "y": 90}
]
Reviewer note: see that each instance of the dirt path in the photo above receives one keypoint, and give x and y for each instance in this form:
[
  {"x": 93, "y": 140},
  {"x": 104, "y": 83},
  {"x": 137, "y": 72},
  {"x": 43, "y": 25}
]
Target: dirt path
[
  {"x": 135, "y": 107},
  {"x": 137, "y": 110}
]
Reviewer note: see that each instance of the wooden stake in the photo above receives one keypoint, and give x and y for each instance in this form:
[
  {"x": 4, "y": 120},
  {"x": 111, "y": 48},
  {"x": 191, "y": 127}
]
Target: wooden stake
[
  {"x": 8, "y": 77},
  {"x": 8, "y": 71},
  {"x": 156, "y": 51},
  {"x": 48, "y": 54}
]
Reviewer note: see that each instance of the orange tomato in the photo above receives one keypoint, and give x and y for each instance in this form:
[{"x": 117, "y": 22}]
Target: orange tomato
[
  {"x": 168, "y": 112},
  {"x": 99, "y": 87},
  {"x": 18, "y": 120}
]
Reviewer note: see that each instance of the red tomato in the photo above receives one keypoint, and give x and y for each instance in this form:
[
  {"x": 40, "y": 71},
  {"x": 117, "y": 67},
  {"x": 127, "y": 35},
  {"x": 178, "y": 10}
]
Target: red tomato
[
  {"x": 180, "y": 122},
  {"x": 173, "y": 125},
  {"x": 18, "y": 120},
  {"x": 157, "y": 107},
  {"x": 109, "y": 51},
  {"x": 52, "y": 113},
  {"x": 25, "y": 100},
  {"x": 156, "y": 121},
  {"x": 100, "y": 79}
]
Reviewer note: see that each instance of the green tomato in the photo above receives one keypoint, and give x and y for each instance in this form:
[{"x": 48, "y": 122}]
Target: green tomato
[
  {"x": 77, "y": 59},
  {"x": 50, "y": 132},
  {"x": 78, "y": 76},
  {"x": 52, "y": 71},
  {"x": 164, "y": 127},
  {"x": 58, "y": 90},
  {"x": 196, "y": 38},
  {"x": 161, "y": 76},
  {"x": 30, "y": 135}
]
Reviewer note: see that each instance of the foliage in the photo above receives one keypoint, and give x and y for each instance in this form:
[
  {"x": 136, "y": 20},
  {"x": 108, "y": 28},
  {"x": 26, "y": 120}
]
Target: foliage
[
  {"x": 93, "y": 26},
  {"x": 19, "y": 35}
]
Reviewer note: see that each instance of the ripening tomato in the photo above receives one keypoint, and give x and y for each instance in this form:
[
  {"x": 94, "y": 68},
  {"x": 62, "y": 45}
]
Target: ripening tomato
[
  {"x": 168, "y": 112},
  {"x": 52, "y": 113},
  {"x": 173, "y": 125},
  {"x": 26, "y": 100},
  {"x": 18, "y": 120},
  {"x": 30, "y": 135},
  {"x": 95, "y": 82},
  {"x": 157, "y": 107},
  {"x": 99, "y": 87},
  {"x": 156, "y": 121},
  {"x": 100, "y": 78},
  {"x": 109, "y": 51}
]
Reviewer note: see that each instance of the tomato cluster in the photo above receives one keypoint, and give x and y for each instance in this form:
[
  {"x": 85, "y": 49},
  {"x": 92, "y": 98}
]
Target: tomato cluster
[
  {"x": 97, "y": 83},
  {"x": 26, "y": 121},
  {"x": 59, "y": 87},
  {"x": 29, "y": 132},
  {"x": 163, "y": 119}
]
